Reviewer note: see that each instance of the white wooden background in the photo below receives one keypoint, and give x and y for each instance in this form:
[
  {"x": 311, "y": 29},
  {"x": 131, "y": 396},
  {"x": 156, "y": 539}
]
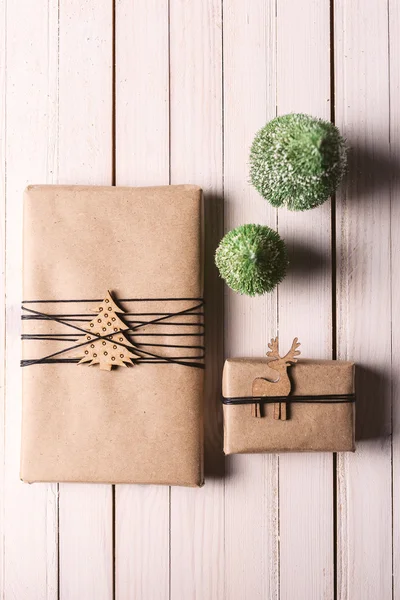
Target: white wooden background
[{"x": 172, "y": 91}]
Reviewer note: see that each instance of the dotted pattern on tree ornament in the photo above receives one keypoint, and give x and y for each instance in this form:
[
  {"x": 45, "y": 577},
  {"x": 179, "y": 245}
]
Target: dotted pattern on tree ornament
[{"x": 104, "y": 352}]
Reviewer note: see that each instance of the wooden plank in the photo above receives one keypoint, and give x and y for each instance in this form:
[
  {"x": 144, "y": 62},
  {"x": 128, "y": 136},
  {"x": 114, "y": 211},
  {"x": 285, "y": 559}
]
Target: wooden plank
[
  {"x": 85, "y": 156},
  {"x": 305, "y": 307},
  {"x": 364, "y": 286},
  {"x": 142, "y": 158},
  {"x": 392, "y": 173},
  {"x": 30, "y": 511},
  {"x": 251, "y": 486},
  {"x": 197, "y": 523},
  {"x": 2, "y": 275}
]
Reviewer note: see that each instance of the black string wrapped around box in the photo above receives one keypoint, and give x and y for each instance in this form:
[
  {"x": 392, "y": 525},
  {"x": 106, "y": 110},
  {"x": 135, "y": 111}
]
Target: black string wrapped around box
[
  {"x": 325, "y": 398},
  {"x": 134, "y": 326}
]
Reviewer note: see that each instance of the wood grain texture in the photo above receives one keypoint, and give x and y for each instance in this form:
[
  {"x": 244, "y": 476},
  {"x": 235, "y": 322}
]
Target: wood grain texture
[
  {"x": 2, "y": 274},
  {"x": 251, "y": 485},
  {"x": 85, "y": 156},
  {"x": 30, "y": 511},
  {"x": 197, "y": 516},
  {"x": 194, "y": 81},
  {"x": 392, "y": 173},
  {"x": 364, "y": 303},
  {"x": 142, "y": 158},
  {"x": 305, "y": 311}
]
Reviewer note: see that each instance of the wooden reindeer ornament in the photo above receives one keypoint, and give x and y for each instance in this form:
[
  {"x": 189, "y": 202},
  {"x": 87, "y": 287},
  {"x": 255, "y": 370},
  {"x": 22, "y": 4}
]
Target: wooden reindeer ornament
[{"x": 281, "y": 385}]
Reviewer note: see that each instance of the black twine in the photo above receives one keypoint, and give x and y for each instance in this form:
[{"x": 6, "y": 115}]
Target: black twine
[
  {"x": 322, "y": 399},
  {"x": 149, "y": 357}
]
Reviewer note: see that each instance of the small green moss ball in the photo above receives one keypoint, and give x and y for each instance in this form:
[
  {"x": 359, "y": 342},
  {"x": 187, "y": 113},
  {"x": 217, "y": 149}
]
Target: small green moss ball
[
  {"x": 252, "y": 259},
  {"x": 297, "y": 161}
]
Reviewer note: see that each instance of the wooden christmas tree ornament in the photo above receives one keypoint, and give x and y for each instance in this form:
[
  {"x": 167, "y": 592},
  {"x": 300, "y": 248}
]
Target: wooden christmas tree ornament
[
  {"x": 281, "y": 386},
  {"x": 107, "y": 344}
]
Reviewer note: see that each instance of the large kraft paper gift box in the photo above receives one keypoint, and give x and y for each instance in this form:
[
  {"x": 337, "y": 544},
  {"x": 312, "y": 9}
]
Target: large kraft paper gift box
[
  {"x": 308, "y": 406},
  {"x": 140, "y": 418}
]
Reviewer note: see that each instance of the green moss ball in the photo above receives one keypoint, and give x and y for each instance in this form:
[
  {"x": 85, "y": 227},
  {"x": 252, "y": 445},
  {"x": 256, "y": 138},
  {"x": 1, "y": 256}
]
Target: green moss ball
[
  {"x": 297, "y": 161},
  {"x": 252, "y": 259}
]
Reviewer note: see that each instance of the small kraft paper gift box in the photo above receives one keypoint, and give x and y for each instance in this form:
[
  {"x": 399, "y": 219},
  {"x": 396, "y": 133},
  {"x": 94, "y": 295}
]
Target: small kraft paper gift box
[
  {"x": 112, "y": 329},
  {"x": 280, "y": 404}
]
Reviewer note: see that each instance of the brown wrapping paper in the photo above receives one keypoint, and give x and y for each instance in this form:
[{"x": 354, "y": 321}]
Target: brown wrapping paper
[
  {"x": 140, "y": 424},
  {"x": 321, "y": 426}
]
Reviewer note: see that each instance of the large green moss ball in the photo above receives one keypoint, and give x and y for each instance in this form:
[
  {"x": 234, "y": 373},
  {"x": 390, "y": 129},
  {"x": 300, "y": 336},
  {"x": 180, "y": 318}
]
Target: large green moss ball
[
  {"x": 297, "y": 161},
  {"x": 252, "y": 259}
]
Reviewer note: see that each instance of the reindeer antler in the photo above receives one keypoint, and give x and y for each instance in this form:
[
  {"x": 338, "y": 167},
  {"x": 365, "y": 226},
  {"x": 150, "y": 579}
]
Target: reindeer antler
[
  {"x": 274, "y": 349},
  {"x": 290, "y": 357}
]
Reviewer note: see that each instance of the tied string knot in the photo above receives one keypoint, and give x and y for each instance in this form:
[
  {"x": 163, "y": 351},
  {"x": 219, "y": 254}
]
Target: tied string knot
[{"x": 143, "y": 356}]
